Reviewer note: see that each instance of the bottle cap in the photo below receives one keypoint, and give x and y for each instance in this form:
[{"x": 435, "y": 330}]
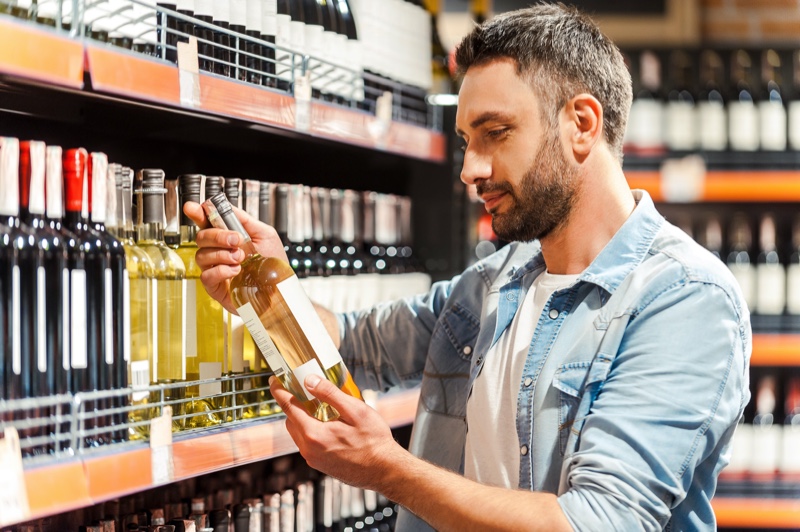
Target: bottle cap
[{"x": 74, "y": 170}]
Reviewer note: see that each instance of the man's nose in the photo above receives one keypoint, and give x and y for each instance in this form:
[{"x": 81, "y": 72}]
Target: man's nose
[{"x": 476, "y": 166}]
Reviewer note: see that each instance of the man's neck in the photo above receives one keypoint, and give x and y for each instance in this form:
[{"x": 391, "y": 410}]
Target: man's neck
[{"x": 604, "y": 203}]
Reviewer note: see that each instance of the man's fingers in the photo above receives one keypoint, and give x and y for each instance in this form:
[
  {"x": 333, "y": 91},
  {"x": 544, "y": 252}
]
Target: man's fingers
[
  {"x": 195, "y": 211},
  {"x": 327, "y": 392},
  {"x": 288, "y": 403},
  {"x": 209, "y": 257},
  {"x": 218, "y": 238}
]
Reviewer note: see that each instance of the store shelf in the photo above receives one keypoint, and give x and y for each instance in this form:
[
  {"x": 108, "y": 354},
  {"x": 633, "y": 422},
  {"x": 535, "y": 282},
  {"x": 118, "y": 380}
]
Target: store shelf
[
  {"x": 776, "y": 350},
  {"x": 40, "y": 54},
  {"x": 758, "y": 514},
  {"x": 729, "y": 186},
  {"x": 101, "y": 475}
]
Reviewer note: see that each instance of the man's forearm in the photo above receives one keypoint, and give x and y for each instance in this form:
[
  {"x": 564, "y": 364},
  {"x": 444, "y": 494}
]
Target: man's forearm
[{"x": 448, "y": 501}]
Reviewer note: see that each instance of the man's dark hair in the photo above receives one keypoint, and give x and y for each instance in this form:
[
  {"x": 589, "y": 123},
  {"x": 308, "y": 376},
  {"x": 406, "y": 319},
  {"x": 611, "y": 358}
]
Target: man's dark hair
[{"x": 562, "y": 53}]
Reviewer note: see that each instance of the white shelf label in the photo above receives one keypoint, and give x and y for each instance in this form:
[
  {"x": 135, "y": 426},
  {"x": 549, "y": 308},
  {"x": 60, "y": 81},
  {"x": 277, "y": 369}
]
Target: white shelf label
[
  {"x": 189, "y": 72},
  {"x": 302, "y": 99},
  {"x": 162, "y": 466},
  {"x": 13, "y": 495}
]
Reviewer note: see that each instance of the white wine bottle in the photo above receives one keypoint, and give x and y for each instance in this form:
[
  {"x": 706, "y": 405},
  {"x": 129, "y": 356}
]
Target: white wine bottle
[{"x": 281, "y": 319}]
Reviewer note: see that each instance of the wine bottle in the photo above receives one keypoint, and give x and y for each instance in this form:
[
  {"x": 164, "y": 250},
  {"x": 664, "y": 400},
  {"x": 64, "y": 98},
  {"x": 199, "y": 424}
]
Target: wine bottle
[
  {"x": 87, "y": 291},
  {"x": 794, "y": 105},
  {"x": 743, "y": 130},
  {"x": 222, "y": 39},
  {"x": 113, "y": 374},
  {"x": 711, "y": 115},
  {"x": 789, "y": 463},
  {"x": 739, "y": 259},
  {"x": 185, "y": 27},
  {"x": 269, "y": 29},
  {"x": 253, "y": 48},
  {"x": 281, "y": 319},
  {"x": 440, "y": 71},
  {"x": 238, "y": 24},
  {"x": 354, "y": 52},
  {"x": 204, "y": 11},
  {"x": 169, "y": 291},
  {"x": 419, "y": 280},
  {"x": 284, "y": 42},
  {"x": 172, "y": 232},
  {"x": 646, "y": 119},
  {"x": 141, "y": 278},
  {"x": 204, "y": 322},
  {"x": 711, "y": 237},
  {"x": 767, "y": 434},
  {"x": 771, "y": 111},
  {"x": 770, "y": 273},
  {"x": 680, "y": 132},
  {"x": 167, "y": 32},
  {"x": 52, "y": 286},
  {"x": 793, "y": 272}
]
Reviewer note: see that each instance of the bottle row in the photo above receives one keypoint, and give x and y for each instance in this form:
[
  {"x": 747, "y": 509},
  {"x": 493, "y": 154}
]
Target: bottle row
[
  {"x": 282, "y": 496},
  {"x": 765, "y": 443},
  {"x": 264, "y": 42},
  {"x": 90, "y": 308},
  {"x": 712, "y": 100},
  {"x": 762, "y": 252}
]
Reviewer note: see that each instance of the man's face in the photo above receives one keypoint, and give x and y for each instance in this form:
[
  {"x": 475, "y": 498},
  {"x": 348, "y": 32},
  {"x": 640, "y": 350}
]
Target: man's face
[{"x": 515, "y": 159}]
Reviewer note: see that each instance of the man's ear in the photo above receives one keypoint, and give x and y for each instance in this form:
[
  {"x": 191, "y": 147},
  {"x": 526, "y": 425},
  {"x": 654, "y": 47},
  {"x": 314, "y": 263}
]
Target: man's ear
[{"x": 583, "y": 124}]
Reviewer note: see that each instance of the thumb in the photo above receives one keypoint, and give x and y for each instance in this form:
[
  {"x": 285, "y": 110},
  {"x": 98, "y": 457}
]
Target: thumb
[{"x": 327, "y": 392}]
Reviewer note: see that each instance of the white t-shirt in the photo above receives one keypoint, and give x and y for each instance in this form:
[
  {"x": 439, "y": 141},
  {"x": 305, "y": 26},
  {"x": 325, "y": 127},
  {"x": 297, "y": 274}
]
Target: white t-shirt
[{"x": 492, "y": 448}]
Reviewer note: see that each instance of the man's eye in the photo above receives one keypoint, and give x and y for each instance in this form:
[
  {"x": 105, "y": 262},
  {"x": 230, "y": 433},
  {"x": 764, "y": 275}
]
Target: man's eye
[{"x": 496, "y": 133}]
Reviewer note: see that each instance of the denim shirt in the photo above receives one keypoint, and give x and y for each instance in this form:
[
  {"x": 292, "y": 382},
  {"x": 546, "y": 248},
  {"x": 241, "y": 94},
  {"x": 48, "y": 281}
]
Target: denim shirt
[{"x": 633, "y": 384}]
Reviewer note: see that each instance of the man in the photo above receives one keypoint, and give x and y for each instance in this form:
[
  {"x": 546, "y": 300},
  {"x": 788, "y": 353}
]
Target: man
[{"x": 592, "y": 383}]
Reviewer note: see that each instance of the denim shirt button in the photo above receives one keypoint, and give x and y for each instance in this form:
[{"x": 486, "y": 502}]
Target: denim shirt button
[
  {"x": 511, "y": 296},
  {"x": 523, "y": 450},
  {"x": 527, "y": 382},
  {"x": 553, "y": 313},
  {"x": 467, "y": 350}
]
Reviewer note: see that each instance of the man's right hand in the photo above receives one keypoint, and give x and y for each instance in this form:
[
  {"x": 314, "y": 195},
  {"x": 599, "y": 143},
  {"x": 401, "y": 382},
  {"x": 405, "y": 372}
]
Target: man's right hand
[{"x": 219, "y": 255}]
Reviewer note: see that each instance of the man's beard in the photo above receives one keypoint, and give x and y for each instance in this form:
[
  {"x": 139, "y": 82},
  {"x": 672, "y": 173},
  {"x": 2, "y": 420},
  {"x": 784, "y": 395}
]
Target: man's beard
[{"x": 544, "y": 200}]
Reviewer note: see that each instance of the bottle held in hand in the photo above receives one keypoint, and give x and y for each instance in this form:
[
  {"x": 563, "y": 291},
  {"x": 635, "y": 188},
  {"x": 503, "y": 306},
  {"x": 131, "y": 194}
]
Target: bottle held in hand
[{"x": 281, "y": 319}]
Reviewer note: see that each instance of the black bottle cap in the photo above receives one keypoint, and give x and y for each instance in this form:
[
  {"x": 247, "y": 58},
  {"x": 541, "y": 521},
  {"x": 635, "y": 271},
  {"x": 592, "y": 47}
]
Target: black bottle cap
[
  {"x": 189, "y": 187},
  {"x": 233, "y": 189},
  {"x": 213, "y": 185}
]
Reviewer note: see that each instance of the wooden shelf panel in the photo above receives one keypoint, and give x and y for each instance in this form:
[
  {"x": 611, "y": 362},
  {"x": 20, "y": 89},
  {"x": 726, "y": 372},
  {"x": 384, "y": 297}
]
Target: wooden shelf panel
[
  {"x": 776, "y": 350},
  {"x": 730, "y": 186},
  {"x": 39, "y": 54},
  {"x": 81, "y": 482},
  {"x": 757, "y": 513}
]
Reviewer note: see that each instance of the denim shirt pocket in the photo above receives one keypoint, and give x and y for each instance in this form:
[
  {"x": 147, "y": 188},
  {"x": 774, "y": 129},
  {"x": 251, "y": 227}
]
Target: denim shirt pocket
[
  {"x": 446, "y": 376},
  {"x": 578, "y": 384}
]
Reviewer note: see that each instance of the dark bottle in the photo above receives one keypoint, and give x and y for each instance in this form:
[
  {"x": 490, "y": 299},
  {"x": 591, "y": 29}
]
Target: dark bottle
[
  {"x": 766, "y": 429},
  {"x": 743, "y": 130},
  {"x": 219, "y": 520},
  {"x": 771, "y": 110},
  {"x": 711, "y": 237},
  {"x": 113, "y": 374},
  {"x": 222, "y": 39},
  {"x": 238, "y": 24},
  {"x": 793, "y": 110},
  {"x": 214, "y": 185},
  {"x": 167, "y": 32},
  {"x": 770, "y": 272},
  {"x": 254, "y": 14},
  {"x": 793, "y": 272},
  {"x": 88, "y": 324},
  {"x": 264, "y": 207},
  {"x": 646, "y": 120},
  {"x": 172, "y": 233},
  {"x": 789, "y": 464},
  {"x": 740, "y": 261},
  {"x": 711, "y": 116},
  {"x": 52, "y": 277},
  {"x": 204, "y": 11},
  {"x": 280, "y": 199},
  {"x": 233, "y": 191},
  {"x": 185, "y": 28},
  {"x": 680, "y": 130},
  {"x": 269, "y": 32}
]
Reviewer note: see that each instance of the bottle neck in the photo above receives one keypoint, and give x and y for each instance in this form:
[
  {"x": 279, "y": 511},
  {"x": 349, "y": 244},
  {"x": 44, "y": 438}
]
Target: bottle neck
[
  {"x": 188, "y": 234},
  {"x": 151, "y": 231}
]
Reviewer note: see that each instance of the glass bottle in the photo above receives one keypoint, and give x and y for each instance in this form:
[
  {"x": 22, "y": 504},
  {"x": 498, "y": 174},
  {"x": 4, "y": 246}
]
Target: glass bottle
[
  {"x": 770, "y": 272},
  {"x": 740, "y": 260},
  {"x": 711, "y": 115},
  {"x": 680, "y": 132},
  {"x": 743, "y": 130},
  {"x": 281, "y": 319},
  {"x": 771, "y": 110}
]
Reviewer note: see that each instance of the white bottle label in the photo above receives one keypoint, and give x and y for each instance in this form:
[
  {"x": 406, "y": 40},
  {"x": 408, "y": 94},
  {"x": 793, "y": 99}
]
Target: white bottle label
[
  {"x": 790, "y": 457},
  {"x": 191, "y": 318},
  {"x": 766, "y": 445},
  {"x": 65, "y": 307},
  {"x": 647, "y": 123},
  {"x": 309, "y": 322},
  {"x": 770, "y": 289},
  {"x": 126, "y": 316},
  {"x": 236, "y": 338},
  {"x": 794, "y": 124},
  {"x": 210, "y": 370},
  {"x": 745, "y": 275},
  {"x": 309, "y": 368},
  {"x": 140, "y": 378},
  {"x": 741, "y": 449},
  {"x": 41, "y": 319},
  {"x": 772, "y": 118},
  {"x": 260, "y": 336},
  {"x": 712, "y": 126},
  {"x": 108, "y": 292},
  {"x": 793, "y": 289},
  {"x": 77, "y": 300},
  {"x": 743, "y": 126},
  {"x": 680, "y": 132},
  {"x": 16, "y": 323}
]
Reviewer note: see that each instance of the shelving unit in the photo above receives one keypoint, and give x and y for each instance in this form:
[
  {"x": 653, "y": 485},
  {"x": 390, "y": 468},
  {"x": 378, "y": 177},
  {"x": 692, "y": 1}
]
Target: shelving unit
[{"x": 758, "y": 514}]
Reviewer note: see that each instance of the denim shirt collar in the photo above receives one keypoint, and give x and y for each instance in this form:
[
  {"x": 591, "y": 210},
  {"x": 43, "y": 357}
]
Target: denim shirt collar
[{"x": 626, "y": 249}]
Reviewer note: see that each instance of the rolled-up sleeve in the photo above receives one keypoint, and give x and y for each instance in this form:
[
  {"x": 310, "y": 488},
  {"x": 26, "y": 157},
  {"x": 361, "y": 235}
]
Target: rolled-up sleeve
[
  {"x": 663, "y": 419},
  {"x": 386, "y": 345}
]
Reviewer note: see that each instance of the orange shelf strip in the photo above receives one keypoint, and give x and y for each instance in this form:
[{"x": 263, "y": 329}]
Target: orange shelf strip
[
  {"x": 733, "y": 186},
  {"x": 261, "y": 441},
  {"x": 54, "y": 489},
  {"x": 40, "y": 54},
  {"x": 135, "y": 76},
  {"x": 203, "y": 454},
  {"x": 757, "y": 513},
  {"x": 776, "y": 350},
  {"x": 118, "y": 474},
  {"x": 231, "y": 98}
]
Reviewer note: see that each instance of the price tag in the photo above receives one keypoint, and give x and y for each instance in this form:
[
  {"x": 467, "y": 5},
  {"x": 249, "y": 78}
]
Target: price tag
[
  {"x": 162, "y": 465},
  {"x": 13, "y": 496},
  {"x": 380, "y": 126},
  {"x": 302, "y": 102},
  {"x": 683, "y": 180},
  {"x": 189, "y": 72}
]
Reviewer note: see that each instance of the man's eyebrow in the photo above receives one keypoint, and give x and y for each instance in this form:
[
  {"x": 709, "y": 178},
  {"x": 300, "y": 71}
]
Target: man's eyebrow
[{"x": 488, "y": 116}]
